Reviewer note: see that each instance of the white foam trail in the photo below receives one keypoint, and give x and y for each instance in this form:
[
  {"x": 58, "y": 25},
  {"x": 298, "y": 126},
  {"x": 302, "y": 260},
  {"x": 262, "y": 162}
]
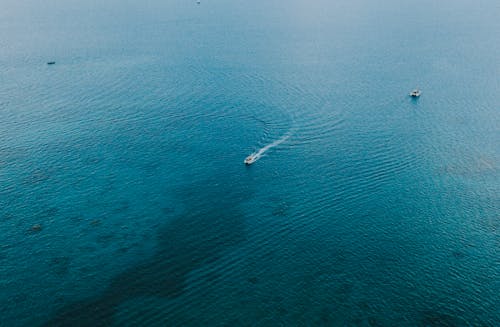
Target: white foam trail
[{"x": 263, "y": 150}]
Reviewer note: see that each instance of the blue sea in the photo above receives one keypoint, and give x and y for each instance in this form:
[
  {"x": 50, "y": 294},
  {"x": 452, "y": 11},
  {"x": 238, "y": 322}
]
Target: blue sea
[{"x": 124, "y": 199}]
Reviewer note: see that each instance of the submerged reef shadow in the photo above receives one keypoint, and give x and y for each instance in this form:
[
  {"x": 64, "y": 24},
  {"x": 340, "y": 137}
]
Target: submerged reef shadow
[
  {"x": 438, "y": 319},
  {"x": 211, "y": 224}
]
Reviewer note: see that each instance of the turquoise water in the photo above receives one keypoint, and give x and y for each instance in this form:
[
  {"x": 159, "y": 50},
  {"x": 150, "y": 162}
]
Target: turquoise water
[{"x": 374, "y": 210}]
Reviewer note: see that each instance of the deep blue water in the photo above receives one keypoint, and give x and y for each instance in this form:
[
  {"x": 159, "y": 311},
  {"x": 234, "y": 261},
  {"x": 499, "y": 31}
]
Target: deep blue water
[{"x": 375, "y": 210}]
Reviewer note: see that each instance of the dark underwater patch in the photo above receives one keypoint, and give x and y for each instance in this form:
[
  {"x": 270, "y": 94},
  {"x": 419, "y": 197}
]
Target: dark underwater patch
[
  {"x": 7, "y": 216},
  {"x": 36, "y": 228},
  {"x": 211, "y": 223},
  {"x": 122, "y": 207},
  {"x": 458, "y": 254},
  {"x": 36, "y": 177},
  {"x": 253, "y": 280},
  {"x": 280, "y": 210},
  {"x": 438, "y": 319},
  {"x": 60, "y": 265},
  {"x": 104, "y": 240},
  {"x": 50, "y": 212}
]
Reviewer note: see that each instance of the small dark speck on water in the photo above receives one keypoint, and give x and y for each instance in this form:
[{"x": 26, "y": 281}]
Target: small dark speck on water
[
  {"x": 51, "y": 63},
  {"x": 95, "y": 222},
  {"x": 36, "y": 228},
  {"x": 253, "y": 280}
]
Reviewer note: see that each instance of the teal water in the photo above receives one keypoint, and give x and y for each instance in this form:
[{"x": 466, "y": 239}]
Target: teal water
[{"x": 375, "y": 210}]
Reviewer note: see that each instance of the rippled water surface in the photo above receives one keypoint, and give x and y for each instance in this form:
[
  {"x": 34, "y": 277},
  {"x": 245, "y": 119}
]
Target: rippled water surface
[{"x": 124, "y": 199}]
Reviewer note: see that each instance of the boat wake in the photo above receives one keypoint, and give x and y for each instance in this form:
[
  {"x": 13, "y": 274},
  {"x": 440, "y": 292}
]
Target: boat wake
[{"x": 258, "y": 154}]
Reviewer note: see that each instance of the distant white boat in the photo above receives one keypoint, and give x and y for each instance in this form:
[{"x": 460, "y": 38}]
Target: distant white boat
[{"x": 415, "y": 93}]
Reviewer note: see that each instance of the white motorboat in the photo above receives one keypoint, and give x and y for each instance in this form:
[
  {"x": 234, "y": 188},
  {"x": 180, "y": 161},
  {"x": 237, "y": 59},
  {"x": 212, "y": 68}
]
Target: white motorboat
[
  {"x": 415, "y": 93},
  {"x": 250, "y": 159}
]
